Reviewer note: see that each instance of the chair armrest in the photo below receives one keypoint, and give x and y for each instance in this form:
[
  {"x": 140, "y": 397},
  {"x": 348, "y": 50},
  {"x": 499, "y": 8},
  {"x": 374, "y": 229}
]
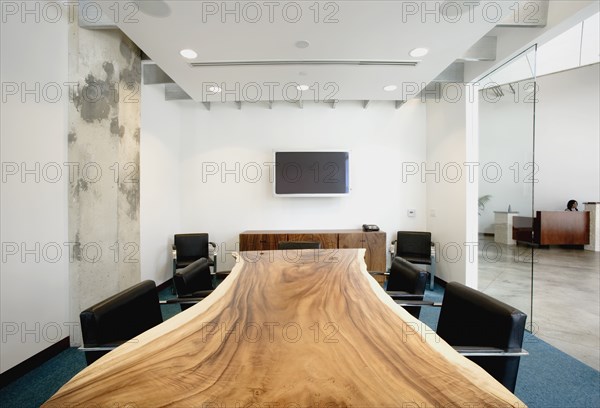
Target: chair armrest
[
  {"x": 404, "y": 303},
  {"x": 212, "y": 244},
  {"x": 477, "y": 351},
  {"x": 182, "y": 300},
  {"x": 222, "y": 273},
  {"x": 103, "y": 347},
  {"x": 198, "y": 294},
  {"x": 377, "y": 273},
  {"x": 401, "y": 295},
  {"x": 174, "y": 252}
]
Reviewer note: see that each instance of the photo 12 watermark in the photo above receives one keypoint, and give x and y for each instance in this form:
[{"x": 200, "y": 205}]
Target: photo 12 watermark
[
  {"x": 452, "y": 12},
  {"x": 88, "y": 12},
  {"x": 90, "y": 92},
  {"x": 454, "y": 172},
  {"x": 53, "y": 252},
  {"x": 71, "y": 172},
  {"x": 271, "y": 332},
  {"x": 39, "y": 332},
  {"x": 253, "y": 12},
  {"x": 253, "y": 92}
]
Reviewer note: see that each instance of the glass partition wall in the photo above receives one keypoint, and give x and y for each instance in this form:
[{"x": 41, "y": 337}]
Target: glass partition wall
[
  {"x": 538, "y": 148},
  {"x": 507, "y": 99}
]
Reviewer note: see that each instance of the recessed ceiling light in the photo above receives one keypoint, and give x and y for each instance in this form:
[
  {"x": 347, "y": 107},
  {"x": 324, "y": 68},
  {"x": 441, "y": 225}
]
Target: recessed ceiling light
[
  {"x": 302, "y": 44},
  {"x": 390, "y": 88},
  {"x": 418, "y": 52},
  {"x": 302, "y": 87},
  {"x": 214, "y": 89},
  {"x": 189, "y": 54}
]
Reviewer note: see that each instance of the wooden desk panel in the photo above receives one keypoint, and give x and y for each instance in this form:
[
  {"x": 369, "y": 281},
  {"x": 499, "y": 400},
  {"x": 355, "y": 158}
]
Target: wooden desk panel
[
  {"x": 373, "y": 242},
  {"x": 553, "y": 228},
  {"x": 328, "y": 241},
  {"x": 318, "y": 332},
  {"x": 564, "y": 227}
]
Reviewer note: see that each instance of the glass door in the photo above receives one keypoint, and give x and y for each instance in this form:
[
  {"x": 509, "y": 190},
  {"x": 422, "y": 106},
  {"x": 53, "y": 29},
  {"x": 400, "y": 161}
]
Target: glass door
[{"x": 507, "y": 101}]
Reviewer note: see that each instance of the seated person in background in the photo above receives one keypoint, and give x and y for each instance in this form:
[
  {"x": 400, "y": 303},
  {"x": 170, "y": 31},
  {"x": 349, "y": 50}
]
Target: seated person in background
[{"x": 571, "y": 206}]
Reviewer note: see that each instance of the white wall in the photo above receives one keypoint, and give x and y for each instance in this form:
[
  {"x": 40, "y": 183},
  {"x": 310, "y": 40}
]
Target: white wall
[
  {"x": 160, "y": 182},
  {"x": 567, "y": 144},
  {"x": 506, "y": 152},
  {"x": 34, "y": 292},
  {"x": 567, "y": 147},
  {"x": 451, "y": 198},
  {"x": 380, "y": 139}
]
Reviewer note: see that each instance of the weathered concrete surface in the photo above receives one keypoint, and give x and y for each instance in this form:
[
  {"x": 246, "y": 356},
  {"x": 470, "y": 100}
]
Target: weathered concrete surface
[{"x": 104, "y": 190}]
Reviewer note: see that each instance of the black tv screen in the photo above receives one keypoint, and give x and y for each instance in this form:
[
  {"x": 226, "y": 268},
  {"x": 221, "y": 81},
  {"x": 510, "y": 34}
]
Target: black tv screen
[{"x": 306, "y": 173}]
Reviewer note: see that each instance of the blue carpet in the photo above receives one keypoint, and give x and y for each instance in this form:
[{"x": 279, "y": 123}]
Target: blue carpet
[{"x": 548, "y": 378}]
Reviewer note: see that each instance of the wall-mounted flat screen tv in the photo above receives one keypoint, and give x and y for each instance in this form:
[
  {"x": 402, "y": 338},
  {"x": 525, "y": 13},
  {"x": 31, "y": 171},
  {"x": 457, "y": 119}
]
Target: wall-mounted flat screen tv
[{"x": 312, "y": 173}]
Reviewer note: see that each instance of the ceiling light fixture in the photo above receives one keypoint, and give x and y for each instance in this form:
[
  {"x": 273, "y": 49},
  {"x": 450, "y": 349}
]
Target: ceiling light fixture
[
  {"x": 418, "y": 52},
  {"x": 390, "y": 88},
  {"x": 189, "y": 54},
  {"x": 302, "y": 87}
]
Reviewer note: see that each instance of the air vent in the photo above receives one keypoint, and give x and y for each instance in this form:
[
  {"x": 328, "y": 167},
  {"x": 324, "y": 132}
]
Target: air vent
[{"x": 302, "y": 62}]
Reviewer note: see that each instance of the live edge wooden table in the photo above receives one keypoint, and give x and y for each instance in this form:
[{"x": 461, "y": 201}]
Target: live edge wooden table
[{"x": 288, "y": 329}]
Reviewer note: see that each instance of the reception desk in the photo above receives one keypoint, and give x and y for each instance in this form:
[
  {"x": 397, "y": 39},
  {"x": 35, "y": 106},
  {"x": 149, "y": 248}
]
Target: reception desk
[
  {"x": 317, "y": 331},
  {"x": 553, "y": 228}
]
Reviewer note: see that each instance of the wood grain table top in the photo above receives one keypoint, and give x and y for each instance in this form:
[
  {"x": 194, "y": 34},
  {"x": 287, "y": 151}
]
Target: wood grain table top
[{"x": 288, "y": 329}]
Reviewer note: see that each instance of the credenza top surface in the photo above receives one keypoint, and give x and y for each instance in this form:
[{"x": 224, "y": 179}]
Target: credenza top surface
[{"x": 330, "y": 231}]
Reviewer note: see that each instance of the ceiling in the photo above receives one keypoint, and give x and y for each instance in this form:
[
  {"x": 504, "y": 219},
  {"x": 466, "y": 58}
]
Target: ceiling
[{"x": 356, "y": 48}]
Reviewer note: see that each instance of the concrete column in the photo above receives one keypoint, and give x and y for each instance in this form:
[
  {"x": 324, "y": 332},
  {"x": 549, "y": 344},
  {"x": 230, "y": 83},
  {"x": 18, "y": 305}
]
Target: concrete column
[{"x": 103, "y": 152}]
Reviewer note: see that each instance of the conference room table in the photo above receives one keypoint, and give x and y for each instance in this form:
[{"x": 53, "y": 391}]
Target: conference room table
[{"x": 288, "y": 329}]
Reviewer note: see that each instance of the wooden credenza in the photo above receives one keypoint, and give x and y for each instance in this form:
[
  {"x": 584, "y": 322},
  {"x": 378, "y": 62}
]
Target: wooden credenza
[{"x": 373, "y": 242}]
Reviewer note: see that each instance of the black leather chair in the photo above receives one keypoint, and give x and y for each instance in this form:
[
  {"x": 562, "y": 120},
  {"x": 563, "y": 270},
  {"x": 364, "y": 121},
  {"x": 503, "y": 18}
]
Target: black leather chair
[
  {"x": 472, "y": 321},
  {"x": 298, "y": 245},
  {"x": 193, "y": 282},
  {"x": 188, "y": 248},
  {"x": 119, "y": 318},
  {"x": 415, "y": 247},
  {"x": 406, "y": 281}
]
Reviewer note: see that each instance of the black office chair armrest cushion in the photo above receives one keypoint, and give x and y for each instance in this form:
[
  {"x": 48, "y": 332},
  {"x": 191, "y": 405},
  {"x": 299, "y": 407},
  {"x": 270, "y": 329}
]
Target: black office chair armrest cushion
[
  {"x": 222, "y": 273},
  {"x": 198, "y": 294},
  {"x": 399, "y": 294},
  {"x": 122, "y": 316},
  {"x": 474, "y": 351},
  {"x": 376, "y": 273},
  {"x": 194, "y": 277},
  {"x": 413, "y": 303}
]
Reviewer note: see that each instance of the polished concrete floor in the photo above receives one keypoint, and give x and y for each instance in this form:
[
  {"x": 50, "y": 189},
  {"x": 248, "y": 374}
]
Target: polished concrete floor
[{"x": 566, "y": 292}]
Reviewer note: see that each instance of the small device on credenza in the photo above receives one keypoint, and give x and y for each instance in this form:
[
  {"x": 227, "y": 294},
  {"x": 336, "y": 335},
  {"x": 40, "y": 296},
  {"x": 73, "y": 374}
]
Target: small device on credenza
[{"x": 370, "y": 227}]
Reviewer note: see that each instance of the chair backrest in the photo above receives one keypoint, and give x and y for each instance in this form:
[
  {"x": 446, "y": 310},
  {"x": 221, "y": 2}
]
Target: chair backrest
[
  {"x": 406, "y": 277},
  {"x": 121, "y": 317},
  {"x": 191, "y": 246},
  {"x": 193, "y": 277},
  {"x": 471, "y": 318},
  {"x": 413, "y": 243},
  {"x": 298, "y": 245}
]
